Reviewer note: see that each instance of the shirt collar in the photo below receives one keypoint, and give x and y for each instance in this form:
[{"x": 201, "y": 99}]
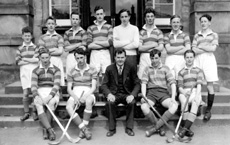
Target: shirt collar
[
  {"x": 185, "y": 67},
  {"x": 160, "y": 66},
  {"x": 180, "y": 32},
  {"x": 118, "y": 67},
  {"x": 209, "y": 32},
  {"x": 78, "y": 30},
  {"x": 77, "y": 68},
  {"x": 50, "y": 66},
  {"x": 96, "y": 23},
  {"x": 145, "y": 28},
  {"x": 24, "y": 44},
  {"x": 48, "y": 33}
]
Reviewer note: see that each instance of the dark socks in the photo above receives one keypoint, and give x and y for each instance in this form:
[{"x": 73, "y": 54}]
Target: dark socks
[{"x": 210, "y": 102}]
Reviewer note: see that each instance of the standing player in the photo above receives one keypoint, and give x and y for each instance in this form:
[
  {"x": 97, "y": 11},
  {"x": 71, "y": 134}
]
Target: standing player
[
  {"x": 126, "y": 36},
  {"x": 54, "y": 42},
  {"x": 150, "y": 38},
  {"x": 74, "y": 38},
  {"x": 176, "y": 43},
  {"x": 100, "y": 40},
  {"x": 26, "y": 58},
  {"x": 81, "y": 78},
  {"x": 45, "y": 85},
  {"x": 204, "y": 44},
  {"x": 190, "y": 76}
]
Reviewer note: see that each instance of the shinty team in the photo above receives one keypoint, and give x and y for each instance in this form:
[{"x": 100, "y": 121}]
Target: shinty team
[{"x": 186, "y": 66}]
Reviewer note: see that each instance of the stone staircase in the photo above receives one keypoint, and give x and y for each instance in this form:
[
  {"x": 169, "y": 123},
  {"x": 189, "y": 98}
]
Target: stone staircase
[{"x": 11, "y": 108}]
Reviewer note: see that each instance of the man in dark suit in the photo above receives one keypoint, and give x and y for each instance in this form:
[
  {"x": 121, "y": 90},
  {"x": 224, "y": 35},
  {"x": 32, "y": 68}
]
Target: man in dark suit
[{"x": 120, "y": 85}]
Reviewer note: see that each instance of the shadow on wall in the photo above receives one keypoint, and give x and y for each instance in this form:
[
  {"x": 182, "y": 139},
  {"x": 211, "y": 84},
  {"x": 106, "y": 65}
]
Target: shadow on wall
[{"x": 8, "y": 75}]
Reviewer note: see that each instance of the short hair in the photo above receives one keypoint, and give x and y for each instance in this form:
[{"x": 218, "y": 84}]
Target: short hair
[
  {"x": 51, "y": 18},
  {"x": 27, "y": 29},
  {"x": 75, "y": 13},
  {"x": 189, "y": 51},
  {"x": 124, "y": 10},
  {"x": 175, "y": 16},
  {"x": 119, "y": 51},
  {"x": 98, "y": 8},
  {"x": 149, "y": 10},
  {"x": 206, "y": 16},
  {"x": 80, "y": 51},
  {"x": 154, "y": 52},
  {"x": 43, "y": 50}
]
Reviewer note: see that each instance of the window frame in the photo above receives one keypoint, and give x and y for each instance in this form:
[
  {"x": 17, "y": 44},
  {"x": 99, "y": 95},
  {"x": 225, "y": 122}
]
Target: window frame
[
  {"x": 164, "y": 21},
  {"x": 61, "y": 22}
]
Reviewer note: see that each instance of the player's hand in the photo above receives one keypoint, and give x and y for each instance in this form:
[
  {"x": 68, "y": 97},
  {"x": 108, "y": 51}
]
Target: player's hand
[
  {"x": 47, "y": 99},
  {"x": 129, "y": 99},
  {"x": 188, "y": 93},
  {"x": 111, "y": 98}
]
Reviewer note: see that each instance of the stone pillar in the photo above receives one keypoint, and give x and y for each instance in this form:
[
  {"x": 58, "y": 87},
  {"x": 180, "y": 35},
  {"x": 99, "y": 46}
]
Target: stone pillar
[{"x": 14, "y": 15}]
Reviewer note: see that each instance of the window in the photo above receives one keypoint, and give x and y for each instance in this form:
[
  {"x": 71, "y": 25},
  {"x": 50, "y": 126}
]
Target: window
[
  {"x": 61, "y": 10},
  {"x": 164, "y": 10}
]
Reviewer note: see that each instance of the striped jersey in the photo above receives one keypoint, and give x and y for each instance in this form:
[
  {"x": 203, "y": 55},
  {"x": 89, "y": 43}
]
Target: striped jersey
[
  {"x": 156, "y": 35},
  {"x": 105, "y": 33},
  {"x": 157, "y": 77},
  {"x": 26, "y": 51},
  {"x": 177, "y": 40},
  {"x": 71, "y": 37},
  {"x": 51, "y": 40},
  {"x": 42, "y": 77},
  {"x": 82, "y": 78},
  {"x": 211, "y": 38},
  {"x": 189, "y": 77}
]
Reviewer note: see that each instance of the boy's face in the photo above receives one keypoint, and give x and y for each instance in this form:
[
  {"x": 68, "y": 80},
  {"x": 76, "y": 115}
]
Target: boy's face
[
  {"x": 75, "y": 20},
  {"x": 124, "y": 18},
  {"x": 50, "y": 24},
  {"x": 100, "y": 15},
  {"x": 27, "y": 36},
  {"x": 155, "y": 60},
  {"x": 189, "y": 59},
  {"x": 205, "y": 23},
  {"x": 81, "y": 59},
  {"x": 149, "y": 18},
  {"x": 45, "y": 59},
  {"x": 176, "y": 24}
]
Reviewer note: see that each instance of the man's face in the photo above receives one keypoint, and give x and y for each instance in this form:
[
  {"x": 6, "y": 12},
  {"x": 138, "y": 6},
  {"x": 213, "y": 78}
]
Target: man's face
[
  {"x": 155, "y": 60},
  {"x": 149, "y": 18},
  {"x": 27, "y": 37},
  {"x": 176, "y": 24},
  {"x": 45, "y": 59},
  {"x": 189, "y": 59},
  {"x": 120, "y": 58},
  {"x": 75, "y": 20},
  {"x": 124, "y": 18},
  {"x": 100, "y": 15},
  {"x": 50, "y": 24},
  {"x": 205, "y": 23},
  {"x": 81, "y": 59}
]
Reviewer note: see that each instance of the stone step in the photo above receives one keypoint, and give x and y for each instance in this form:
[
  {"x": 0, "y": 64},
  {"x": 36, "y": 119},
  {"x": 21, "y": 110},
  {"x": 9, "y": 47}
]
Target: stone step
[
  {"x": 16, "y": 99},
  {"x": 17, "y": 110},
  {"x": 15, "y": 88},
  {"x": 13, "y": 121}
]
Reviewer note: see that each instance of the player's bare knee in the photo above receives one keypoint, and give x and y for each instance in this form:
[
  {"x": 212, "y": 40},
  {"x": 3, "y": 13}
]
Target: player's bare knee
[
  {"x": 145, "y": 108},
  {"x": 40, "y": 109},
  {"x": 173, "y": 107}
]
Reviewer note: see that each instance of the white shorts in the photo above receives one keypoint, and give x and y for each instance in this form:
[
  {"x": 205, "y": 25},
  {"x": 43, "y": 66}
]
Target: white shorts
[
  {"x": 175, "y": 64},
  {"x": 144, "y": 62},
  {"x": 193, "y": 95},
  {"x": 26, "y": 74},
  {"x": 100, "y": 58},
  {"x": 207, "y": 62},
  {"x": 58, "y": 63},
  {"x": 77, "y": 90},
  {"x": 70, "y": 62},
  {"x": 44, "y": 92}
]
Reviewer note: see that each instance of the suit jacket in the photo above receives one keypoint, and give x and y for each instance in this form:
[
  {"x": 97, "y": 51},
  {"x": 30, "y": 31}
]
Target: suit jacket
[{"x": 130, "y": 80}]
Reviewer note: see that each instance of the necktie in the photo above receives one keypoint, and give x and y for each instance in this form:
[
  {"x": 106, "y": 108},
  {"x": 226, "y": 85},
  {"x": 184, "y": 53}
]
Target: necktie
[{"x": 120, "y": 70}]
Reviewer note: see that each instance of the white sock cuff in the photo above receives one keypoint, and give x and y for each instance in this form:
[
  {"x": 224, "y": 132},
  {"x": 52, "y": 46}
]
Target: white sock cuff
[
  {"x": 88, "y": 111},
  {"x": 81, "y": 125},
  {"x": 85, "y": 122}
]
